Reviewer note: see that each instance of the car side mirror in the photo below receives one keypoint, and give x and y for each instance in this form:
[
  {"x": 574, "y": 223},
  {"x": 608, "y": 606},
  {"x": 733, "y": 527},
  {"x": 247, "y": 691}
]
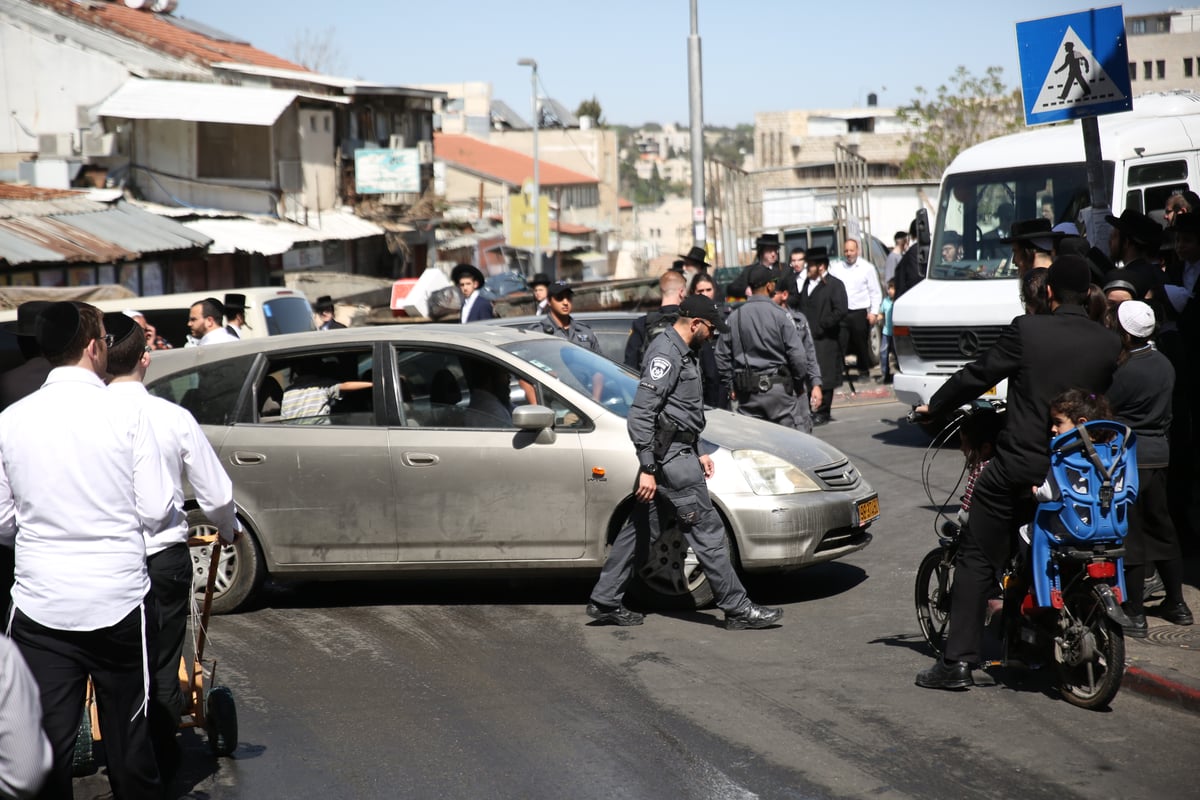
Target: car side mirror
[{"x": 533, "y": 418}]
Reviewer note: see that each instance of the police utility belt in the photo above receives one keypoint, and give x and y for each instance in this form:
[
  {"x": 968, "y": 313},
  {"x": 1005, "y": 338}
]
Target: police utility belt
[
  {"x": 667, "y": 433},
  {"x": 747, "y": 381}
]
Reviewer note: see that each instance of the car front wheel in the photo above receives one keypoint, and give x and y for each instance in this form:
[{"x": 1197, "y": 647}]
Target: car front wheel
[
  {"x": 670, "y": 576},
  {"x": 240, "y": 569}
]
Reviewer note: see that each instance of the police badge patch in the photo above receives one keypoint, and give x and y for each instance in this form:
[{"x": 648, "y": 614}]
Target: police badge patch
[{"x": 659, "y": 367}]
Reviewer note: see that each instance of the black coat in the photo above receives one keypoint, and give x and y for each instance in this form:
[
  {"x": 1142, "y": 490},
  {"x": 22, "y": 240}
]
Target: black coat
[
  {"x": 23, "y": 380},
  {"x": 909, "y": 272},
  {"x": 824, "y": 308},
  {"x": 1042, "y": 356}
]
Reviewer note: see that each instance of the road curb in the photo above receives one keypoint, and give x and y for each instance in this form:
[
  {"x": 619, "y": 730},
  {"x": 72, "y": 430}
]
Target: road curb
[{"x": 1178, "y": 692}]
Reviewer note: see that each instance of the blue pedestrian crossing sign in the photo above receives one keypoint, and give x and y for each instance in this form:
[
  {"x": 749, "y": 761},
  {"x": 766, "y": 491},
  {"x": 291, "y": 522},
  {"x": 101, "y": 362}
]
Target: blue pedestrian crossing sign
[{"x": 1074, "y": 65}]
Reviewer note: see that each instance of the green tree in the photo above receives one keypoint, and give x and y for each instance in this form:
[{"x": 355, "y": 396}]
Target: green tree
[
  {"x": 591, "y": 108},
  {"x": 969, "y": 110}
]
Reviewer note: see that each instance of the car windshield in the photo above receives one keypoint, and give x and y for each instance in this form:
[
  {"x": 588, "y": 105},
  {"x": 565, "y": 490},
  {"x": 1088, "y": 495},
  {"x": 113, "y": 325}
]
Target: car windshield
[
  {"x": 590, "y": 373},
  {"x": 976, "y": 210},
  {"x": 288, "y": 314}
]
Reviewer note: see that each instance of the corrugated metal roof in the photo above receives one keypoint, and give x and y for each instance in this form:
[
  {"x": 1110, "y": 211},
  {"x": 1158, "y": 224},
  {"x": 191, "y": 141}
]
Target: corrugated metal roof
[
  {"x": 315, "y": 78},
  {"x": 274, "y": 237},
  {"x": 16, "y": 249},
  {"x": 73, "y": 244},
  {"x": 200, "y": 102},
  {"x": 138, "y": 230},
  {"x": 48, "y": 208}
]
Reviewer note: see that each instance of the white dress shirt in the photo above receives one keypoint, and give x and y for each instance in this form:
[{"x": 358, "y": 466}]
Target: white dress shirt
[
  {"x": 81, "y": 479},
  {"x": 187, "y": 456},
  {"x": 862, "y": 284},
  {"x": 25, "y": 754},
  {"x": 217, "y": 336},
  {"x": 467, "y": 305}
]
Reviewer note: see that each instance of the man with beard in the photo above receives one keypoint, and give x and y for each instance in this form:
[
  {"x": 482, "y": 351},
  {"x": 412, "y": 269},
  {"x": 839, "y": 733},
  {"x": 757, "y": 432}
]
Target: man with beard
[
  {"x": 766, "y": 249},
  {"x": 822, "y": 300},
  {"x": 665, "y": 422}
]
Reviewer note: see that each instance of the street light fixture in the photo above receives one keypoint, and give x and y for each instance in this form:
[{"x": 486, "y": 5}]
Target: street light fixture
[{"x": 537, "y": 209}]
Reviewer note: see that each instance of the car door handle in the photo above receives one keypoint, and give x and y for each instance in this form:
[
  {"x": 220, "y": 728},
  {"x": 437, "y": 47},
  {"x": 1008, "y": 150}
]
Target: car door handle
[
  {"x": 245, "y": 458},
  {"x": 420, "y": 459}
]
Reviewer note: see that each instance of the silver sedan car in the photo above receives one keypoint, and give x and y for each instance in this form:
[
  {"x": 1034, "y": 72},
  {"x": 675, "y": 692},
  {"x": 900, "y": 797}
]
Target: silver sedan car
[{"x": 476, "y": 450}]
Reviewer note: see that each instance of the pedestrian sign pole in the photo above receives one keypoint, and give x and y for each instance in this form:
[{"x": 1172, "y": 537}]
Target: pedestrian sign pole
[{"x": 1076, "y": 66}]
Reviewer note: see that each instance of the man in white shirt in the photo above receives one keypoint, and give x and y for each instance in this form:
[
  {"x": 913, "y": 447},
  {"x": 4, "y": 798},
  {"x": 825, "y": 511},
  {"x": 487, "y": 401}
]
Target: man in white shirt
[
  {"x": 81, "y": 479},
  {"x": 205, "y": 323},
  {"x": 188, "y": 456},
  {"x": 864, "y": 296}
]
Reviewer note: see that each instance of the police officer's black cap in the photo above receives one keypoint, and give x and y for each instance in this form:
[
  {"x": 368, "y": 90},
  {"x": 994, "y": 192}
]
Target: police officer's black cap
[
  {"x": 120, "y": 326},
  {"x": 760, "y": 275},
  {"x": 57, "y": 325},
  {"x": 697, "y": 306},
  {"x": 235, "y": 302},
  {"x": 817, "y": 255},
  {"x": 27, "y": 314},
  {"x": 561, "y": 289},
  {"x": 540, "y": 279},
  {"x": 469, "y": 270}
]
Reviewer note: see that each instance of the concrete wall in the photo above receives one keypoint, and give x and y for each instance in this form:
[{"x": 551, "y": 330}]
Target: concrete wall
[
  {"x": 1171, "y": 49},
  {"x": 892, "y": 206}
]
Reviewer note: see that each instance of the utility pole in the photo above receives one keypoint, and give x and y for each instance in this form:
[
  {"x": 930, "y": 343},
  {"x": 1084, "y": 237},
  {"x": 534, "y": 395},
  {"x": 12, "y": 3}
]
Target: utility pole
[
  {"x": 536, "y": 198},
  {"x": 696, "y": 106}
]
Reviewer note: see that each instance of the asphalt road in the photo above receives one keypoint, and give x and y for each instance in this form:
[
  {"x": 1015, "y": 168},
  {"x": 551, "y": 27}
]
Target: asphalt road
[{"x": 497, "y": 689}]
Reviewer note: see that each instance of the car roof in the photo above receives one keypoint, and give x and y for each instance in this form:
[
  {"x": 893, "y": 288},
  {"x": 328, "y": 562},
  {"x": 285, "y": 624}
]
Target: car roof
[{"x": 582, "y": 316}]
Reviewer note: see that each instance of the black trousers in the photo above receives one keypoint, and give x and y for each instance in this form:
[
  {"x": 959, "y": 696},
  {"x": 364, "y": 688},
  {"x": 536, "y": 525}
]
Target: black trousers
[
  {"x": 859, "y": 339},
  {"x": 171, "y": 585},
  {"x": 61, "y": 662},
  {"x": 998, "y": 507}
]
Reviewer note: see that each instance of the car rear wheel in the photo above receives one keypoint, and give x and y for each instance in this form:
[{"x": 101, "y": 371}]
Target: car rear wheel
[{"x": 240, "y": 570}]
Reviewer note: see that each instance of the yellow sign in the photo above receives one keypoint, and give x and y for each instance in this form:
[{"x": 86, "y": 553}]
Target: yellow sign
[{"x": 520, "y": 221}]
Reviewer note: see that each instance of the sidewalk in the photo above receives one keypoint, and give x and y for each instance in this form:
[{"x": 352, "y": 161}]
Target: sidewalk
[{"x": 1165, "y": 666}]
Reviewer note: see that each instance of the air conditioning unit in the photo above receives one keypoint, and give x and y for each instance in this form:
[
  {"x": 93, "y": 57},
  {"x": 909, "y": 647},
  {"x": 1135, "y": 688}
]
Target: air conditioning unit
[
  {"x": 55, "y": 145},
  {"x": 425, "y": 152},
  {"x": 99, "y": 145},
  {"x": 291, "y": 176}
]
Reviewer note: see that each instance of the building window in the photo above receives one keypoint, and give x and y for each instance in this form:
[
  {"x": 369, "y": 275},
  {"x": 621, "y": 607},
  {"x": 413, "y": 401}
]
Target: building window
[
  {"x": 1133, "y": 70},
  {"x": 1187, "y": 68},
  {"x": 239, "y": 152},
  {"x": 1146, "y": 71},
  {"x": 1137, "y": 26},
  {"x": 1161, "y": 69}
]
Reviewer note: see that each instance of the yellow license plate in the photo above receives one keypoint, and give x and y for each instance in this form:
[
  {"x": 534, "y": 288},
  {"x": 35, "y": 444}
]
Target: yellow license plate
[
  {"x": 992, "y": 392},
  {"x": 868, "y": 510}
]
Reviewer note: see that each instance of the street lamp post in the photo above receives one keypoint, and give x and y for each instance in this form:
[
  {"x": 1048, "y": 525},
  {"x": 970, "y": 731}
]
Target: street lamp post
[{"x": 537, "y": 208}]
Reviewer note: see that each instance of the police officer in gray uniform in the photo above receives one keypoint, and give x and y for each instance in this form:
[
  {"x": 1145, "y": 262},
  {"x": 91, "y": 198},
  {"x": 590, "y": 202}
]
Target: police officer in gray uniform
[
  {"x": 665, "y": 423},
  {"x": 558, "y": 320},
  {"x": 762, "y": 360},
  {"x": 808, "y": 391}
]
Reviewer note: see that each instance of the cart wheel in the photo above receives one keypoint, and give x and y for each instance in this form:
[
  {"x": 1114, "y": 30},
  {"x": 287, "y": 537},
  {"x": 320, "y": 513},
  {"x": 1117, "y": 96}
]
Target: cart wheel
[
  {"x": 221, "y": 721},
  {"x": 83, "y": 761}
]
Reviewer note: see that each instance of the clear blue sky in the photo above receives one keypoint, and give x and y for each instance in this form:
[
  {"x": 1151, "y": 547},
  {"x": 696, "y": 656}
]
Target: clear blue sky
[{"x": 758, "y": 55}]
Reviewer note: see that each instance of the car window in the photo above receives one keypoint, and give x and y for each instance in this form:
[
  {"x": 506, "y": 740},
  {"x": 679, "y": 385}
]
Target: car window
[
  {"x": 328, "y": 387},
  {"x": 209, "y": 391},
  {"x": 288, "y": 314},
  {"x": 451, "y": 389},
  {"x": 589, "y": 373}
]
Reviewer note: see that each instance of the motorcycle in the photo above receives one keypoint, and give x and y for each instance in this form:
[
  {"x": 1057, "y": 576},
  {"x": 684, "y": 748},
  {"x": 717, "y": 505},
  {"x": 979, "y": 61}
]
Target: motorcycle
[{"x": 1059, "y": 597}]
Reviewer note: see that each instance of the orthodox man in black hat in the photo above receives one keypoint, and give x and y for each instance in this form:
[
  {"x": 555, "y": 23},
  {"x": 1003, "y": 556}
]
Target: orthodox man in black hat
[
  {"x": 695, "y": 262},
  {"x": 469, "y": 281},
  {"x": 28, "y": 377},
  {"x": 81, "y": 580},
  {"x": 665, "y": 421},
  {"x": 766, "y": 249},
  {"x": 235, "y": 314},
  {"x": 324, "y": 309},
  {"x": 822, "y": 300},
  {"x": 540, "y": 284}
]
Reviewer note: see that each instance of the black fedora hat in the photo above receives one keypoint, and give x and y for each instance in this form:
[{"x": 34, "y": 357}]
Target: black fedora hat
[
  {"x": 1027, "y": 229},
  {"x": 468, "y": 270},
  {"x": 27, "y": 314},
  {"x": 698, "y": 255},
  {"x": 324, "y": 303},
  {"x": 768, "y": 240},
  {"x": 235, "y": 302},
  {"x": 1138, "y": 227},
  {"x": 817, "y": 255}
]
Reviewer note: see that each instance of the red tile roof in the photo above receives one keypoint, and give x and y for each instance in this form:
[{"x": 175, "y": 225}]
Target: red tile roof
[
  {"x": 501, "y": 163},
  {"x": 570, "y": 228},
  {"x": 153, "y": 30},
  {"x": 15, "y": 191}
]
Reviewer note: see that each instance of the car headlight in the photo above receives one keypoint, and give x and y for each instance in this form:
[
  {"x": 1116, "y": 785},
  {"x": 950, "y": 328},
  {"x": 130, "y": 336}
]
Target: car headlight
[{"x": 769, "y": 474}]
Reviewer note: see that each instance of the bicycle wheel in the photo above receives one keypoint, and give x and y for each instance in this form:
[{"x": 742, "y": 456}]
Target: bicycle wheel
[
  {"x": 932, "y": 595},
  {"x": 1089, "y": 652}
]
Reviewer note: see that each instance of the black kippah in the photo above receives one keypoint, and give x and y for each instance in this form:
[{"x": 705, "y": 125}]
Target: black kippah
[
  {"x": 120, "y": 326},
  {"x": 57, "y": 326}
]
